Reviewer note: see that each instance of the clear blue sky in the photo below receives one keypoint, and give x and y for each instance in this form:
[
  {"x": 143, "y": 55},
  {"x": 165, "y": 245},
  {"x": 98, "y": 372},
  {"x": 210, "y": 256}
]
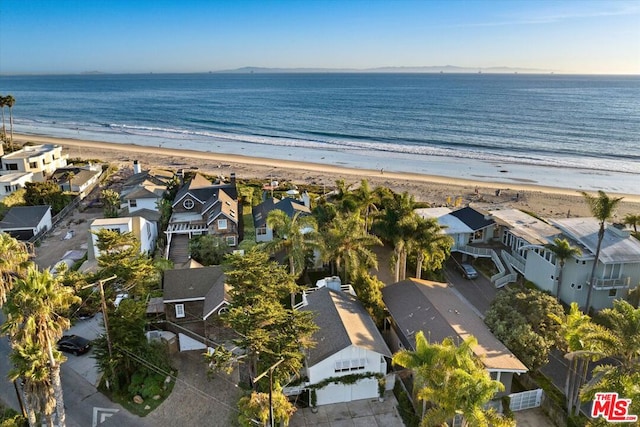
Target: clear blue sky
[{"x": 580, "y": 36}]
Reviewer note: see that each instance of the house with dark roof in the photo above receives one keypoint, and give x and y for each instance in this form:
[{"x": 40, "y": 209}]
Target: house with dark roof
[
  {"x": 24, "y": 222},
  {"x": 439, "y": 312},
  {"x": 347, "y": 342},
  {"x": 77, "y": 179},
  {"x": 260, "y": 213},
  {"x": 201, "y": 207}
]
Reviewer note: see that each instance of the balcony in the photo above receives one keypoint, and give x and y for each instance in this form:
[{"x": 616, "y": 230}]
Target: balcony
[{"x": 605, "y": 284}]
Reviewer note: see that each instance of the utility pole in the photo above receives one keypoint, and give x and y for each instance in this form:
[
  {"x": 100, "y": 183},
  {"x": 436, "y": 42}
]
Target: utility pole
[{"x": 270, "y": 372}]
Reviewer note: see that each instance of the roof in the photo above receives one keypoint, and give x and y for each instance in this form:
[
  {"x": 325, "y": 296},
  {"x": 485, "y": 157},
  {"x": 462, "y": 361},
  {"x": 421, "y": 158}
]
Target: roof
[
  {"x": 148, "y": 214},
  {"x": 14, "y": 177},
  {"x": 616, "y": 247},
  {"x": 287, "y": 205},
  {"x": 226, "y": 206},
  {"x": 29, "y": 151},
  {"x": 191, "y": 263},
  {"x": 438, "y": 311},
  {"x": 80, "y": 175},
  {"x": 202, "y": 189},
  {"x": 152, "y": 177},
  {"x": 529, "y": 228},
  {"x": 191, "y": 284},
  {"x": 472, "y": 218},
  {"x": 342, "y": 322},
  {"x": 148, "y": 191},
  {"x": 20, "y": 217},
  {"x": 102, "y": 222},
  {"x": 452, "y": 224}
]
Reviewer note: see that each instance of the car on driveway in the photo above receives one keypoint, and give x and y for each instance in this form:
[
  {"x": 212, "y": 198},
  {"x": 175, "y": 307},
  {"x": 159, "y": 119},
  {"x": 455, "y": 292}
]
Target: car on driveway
[
  {"x": 74, "y": 344},
  {"x": 468, "y": 272}
]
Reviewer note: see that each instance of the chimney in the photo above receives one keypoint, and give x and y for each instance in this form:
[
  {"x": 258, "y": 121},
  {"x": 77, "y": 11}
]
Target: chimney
[
  {"x": 136, "y": 167},
  {"x": 233, "y": 177}
]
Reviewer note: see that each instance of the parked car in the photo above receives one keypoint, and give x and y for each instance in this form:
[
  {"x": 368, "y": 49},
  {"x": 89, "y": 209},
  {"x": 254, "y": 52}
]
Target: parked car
[
  {"x": 468, "y": 272},
  {"x": 74, "y": 344}
]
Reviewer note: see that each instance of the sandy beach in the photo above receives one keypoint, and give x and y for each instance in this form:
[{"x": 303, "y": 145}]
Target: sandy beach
[{"x": 436, "y": 190}]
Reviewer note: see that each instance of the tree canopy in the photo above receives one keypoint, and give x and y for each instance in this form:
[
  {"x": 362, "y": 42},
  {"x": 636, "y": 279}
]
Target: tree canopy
[{"x": 523, "y": 320}]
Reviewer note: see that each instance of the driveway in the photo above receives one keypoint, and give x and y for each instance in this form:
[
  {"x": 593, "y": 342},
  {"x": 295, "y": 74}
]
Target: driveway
[
  {"x": 365, "y": 413},
  {"x": 85, "y": 365}
]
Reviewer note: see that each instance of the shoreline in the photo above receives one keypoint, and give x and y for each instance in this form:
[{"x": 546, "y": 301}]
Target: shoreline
[{"x": 546, "y": 201}]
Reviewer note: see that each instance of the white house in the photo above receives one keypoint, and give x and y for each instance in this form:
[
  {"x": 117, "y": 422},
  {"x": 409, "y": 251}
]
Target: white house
[
  {"x": 145, "y": 231},
  {"x": 13, "y": 181},
  {"x": 41, "y": 160},
  {"x": 347, "y": 342},
  {"x": 24, "y": 222},
  {"x": 146, "y": 196},
  {"x": 77, "y": 179}
]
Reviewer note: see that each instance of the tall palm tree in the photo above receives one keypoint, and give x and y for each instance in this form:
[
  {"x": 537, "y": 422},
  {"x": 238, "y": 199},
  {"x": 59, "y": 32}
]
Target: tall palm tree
[
  {"x": 367, "y": 200},
  {"x": 563, "y": 250},
  {"x": 396, "y": 225},
  {"x": 10, "y": 101},
  {"x": 33, "y": 316},
  {"x": 13, "y": 263},
  {"x": 602, "y": 208},
  {"x": 348, "y": 245},
  {"x": 632, "y": 220},
  {"x": 430, "y": 244},
  {"x": 31, "y": 365},
  {"x": 296, "y": 235},
  {"x": 3, "y": 103}
]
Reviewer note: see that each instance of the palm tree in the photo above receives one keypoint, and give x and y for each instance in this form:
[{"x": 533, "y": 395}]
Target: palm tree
[
  {"x": 10, "y": 101},
  {"x": 431, "y": 244},
  {"x": 452, "y": 380},
  {"x": 396, "y": 225},
  {"x": 563, "y": 250},
  {"x": 3, "y": 103},
  {"x": 602, "y": 208},
  {"x": 13, "y": 263},
  {"x": 367, "y": 200},
  {"x": 632, "y": 220},
  {"x": 297, "y": 236},
  {"x": 33, "y": 316},
  {"x": 348, "y": 245},
  {"x": 31, "y": 365},
  {"x": 70, "y": 176}
]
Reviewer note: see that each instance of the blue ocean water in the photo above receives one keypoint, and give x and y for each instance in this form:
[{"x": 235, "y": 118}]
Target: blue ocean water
[{"x": 584, "y": 122}]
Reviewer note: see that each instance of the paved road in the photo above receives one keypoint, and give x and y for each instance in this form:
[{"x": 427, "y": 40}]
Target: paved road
[{"x": 478, "y": 292}]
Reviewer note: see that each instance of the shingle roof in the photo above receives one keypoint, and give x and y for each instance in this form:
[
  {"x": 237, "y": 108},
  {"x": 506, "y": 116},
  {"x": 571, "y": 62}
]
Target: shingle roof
[
  {"x": 287, "y": 205},
  {"x": 191, "y": 284},
  {"x": 145, "y": 192},
  {"x": 474, "y": 219},
  {"x": 24, "y": 217},
  {"x": 435, "y": 309},
  {"x": 342, "y": 322}
]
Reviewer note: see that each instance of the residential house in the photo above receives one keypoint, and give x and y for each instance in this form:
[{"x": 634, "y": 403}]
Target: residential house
[
  {"x": 146, "y": 232},
  {"x": 618, "y": 267},
  {"x": 440, "y": 312},
  {"x": 347, "y": 342},
  {"x": 287, "y": 205},
  {"x": 193, "y": 299},
  {"x": 77, "y": 179},
  {"x": 13, "y": 181},
  {"x": 24, "y": 222},
  {"x": 41, "y": 160},
  {"x": 465, "y": 226},
  {"x": 145, "y": 189},
  {"x": 201, "y": 207}
]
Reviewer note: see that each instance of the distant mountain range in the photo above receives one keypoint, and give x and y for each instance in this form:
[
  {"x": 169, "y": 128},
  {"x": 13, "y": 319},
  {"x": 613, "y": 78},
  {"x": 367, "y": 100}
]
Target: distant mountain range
[{"x": 427, "y": 69}]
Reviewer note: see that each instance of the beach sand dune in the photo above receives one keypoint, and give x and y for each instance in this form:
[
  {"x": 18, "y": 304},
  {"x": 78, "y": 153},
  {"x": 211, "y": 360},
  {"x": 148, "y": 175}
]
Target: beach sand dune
[{"x": 436, "y": 190}]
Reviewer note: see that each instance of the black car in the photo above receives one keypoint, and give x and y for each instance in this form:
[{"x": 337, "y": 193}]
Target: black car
[{"x": 74, "y": 344}]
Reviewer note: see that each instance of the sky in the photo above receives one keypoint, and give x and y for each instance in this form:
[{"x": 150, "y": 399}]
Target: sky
[{"x": 140, "y": 36}]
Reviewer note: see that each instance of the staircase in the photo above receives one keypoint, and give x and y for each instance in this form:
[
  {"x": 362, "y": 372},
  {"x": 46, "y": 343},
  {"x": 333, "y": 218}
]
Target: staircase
[{"x": 179, "y": 250}]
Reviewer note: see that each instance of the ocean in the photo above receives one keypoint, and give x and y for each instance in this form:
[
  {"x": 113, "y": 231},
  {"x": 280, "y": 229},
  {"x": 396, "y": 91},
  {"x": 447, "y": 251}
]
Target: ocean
[{"x": 579, "y": 132}]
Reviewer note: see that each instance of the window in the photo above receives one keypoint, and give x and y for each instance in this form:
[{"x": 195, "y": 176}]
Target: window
[
  {"x": 33, "y": 165},
  {"x": 133, "y": 203},
  {"x": 7, "y": 189},
  {"x": 350, "y": 365},
  {"x": 115, "y": 230},
  {"x": 261, "y": 231},
  {"x": 222, "y": 224},
  {"x": 188, "y": 204},
  {"x": 613, "y": 293},
  {"x": 11, "y": 166},
  {"x": 231, "y": 240},
  {"x": 179, "y": 311}
]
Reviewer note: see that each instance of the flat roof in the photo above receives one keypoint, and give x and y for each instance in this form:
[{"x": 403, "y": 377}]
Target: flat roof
[
  {"x": 523, "y": 225},
  {"x": 10, "y": 177},
  {"x": 111, "y": 221},
  {"x": 31, "y": 151}
]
